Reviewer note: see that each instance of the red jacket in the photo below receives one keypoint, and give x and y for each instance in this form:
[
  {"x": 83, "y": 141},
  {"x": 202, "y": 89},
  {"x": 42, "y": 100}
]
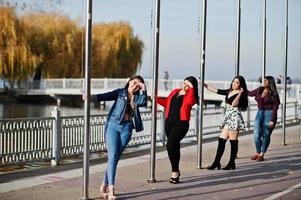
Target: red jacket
[{"x": 188, "y": 101}]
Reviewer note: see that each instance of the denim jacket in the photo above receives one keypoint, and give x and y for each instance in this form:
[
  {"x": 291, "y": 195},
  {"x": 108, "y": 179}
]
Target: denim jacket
[{"x": 120, "y": 96}]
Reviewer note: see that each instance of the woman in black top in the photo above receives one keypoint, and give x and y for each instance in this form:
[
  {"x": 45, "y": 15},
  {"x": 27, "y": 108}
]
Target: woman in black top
[
  {"x": 178, "y": 105},
  {"x": 236, "y": 100}
]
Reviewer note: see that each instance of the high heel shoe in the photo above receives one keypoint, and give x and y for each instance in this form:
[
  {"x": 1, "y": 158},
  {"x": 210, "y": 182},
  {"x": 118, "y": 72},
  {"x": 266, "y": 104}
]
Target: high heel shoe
[
  {"x": 103, "y": 191},
  {"x": 230, "y": 166},
  {"x": 111, "y": 193},
  {"x": 175, "y": 180},
  {"x": 214, "y": 165}
]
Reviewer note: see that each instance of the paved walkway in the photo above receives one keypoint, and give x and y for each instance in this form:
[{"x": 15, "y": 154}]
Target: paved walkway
[{"x": 278, "y": 177}]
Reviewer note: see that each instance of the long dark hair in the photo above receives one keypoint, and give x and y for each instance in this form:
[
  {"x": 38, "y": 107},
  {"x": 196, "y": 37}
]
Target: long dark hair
[
  {"x": 195, "y": 84},
  {"x": 243, "y": 101},
  {"x": 272, "y": 86},
  {"x": 134, "y": 77}
]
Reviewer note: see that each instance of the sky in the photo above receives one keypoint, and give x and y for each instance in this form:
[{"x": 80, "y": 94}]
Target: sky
[{"x": 180, "y": 35}]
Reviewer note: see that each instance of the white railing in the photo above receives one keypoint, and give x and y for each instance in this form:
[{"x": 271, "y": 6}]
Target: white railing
[
  {"x": 55, "y": 87},
  {"x": 33, "y": 139}
]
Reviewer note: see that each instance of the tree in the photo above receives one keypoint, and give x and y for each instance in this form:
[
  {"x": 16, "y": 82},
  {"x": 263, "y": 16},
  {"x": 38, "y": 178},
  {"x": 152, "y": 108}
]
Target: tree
[
  {"x": 116, "y": 51},
  {"x": 51, "y": 45},
  {"x": 52, "y": 38},
  {"x": 16, "y": 59}
]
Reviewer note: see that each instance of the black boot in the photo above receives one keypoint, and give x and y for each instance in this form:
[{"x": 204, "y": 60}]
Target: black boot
[
  {"x": 219, "y": 154},
  {"x": 234, "y": 149}
]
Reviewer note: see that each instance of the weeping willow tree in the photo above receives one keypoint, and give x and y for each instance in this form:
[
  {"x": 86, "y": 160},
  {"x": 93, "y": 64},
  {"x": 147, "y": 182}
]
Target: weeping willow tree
[
  {"x": 116, "y": 52},
  {"x": 55, "y": 40},
  {"x": 16, "y": 58},
  {"x": 50, "y": 45}
]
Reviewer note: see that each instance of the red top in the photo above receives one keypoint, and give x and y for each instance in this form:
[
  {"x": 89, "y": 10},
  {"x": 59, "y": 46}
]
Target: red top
[{"x": 188, "y": 101}]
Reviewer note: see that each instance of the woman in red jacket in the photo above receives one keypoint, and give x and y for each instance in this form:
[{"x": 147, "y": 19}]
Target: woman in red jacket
[{"x": 178, "y": 106}]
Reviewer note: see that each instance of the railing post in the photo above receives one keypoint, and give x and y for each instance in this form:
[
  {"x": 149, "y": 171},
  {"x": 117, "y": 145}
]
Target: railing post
[
  {"x": 296, "y": 111},
  {"x": 162, "y": 122},
  {"x": 281, "y": 108},
  {"x": 299, "y": 109},
  {"x": 106, "y": 84},
  {"x": 56, "y": 137},
  {"x": 64, "y": 83},
  {"x": 298, "y": 91}
]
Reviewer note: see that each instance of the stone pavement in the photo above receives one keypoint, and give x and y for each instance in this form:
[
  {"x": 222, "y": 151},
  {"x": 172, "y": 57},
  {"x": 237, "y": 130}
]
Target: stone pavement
[{"x": 278, "y": 177}]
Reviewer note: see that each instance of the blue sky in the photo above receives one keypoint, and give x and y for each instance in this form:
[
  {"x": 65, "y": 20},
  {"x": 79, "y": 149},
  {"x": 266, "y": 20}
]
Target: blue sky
[{"x": 179, "y": 35}]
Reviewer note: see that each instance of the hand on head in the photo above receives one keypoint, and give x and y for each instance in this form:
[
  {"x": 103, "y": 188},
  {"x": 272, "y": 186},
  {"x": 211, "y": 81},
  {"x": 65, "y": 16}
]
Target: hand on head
[
  {"x": 241, "y": 90},
  {"x": 135, "y": 85}
]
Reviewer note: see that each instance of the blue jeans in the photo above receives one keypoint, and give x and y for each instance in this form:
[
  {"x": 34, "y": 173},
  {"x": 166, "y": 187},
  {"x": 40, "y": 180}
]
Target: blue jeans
[
  {"x": 262, "y": 130},
  {"x": 117, "y": 137}
]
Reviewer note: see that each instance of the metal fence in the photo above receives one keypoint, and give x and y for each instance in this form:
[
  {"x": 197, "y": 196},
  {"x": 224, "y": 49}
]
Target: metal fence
[{"x": 38, "y": 139}]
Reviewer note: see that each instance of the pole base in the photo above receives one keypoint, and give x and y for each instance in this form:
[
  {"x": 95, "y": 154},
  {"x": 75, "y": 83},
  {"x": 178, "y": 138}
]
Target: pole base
[
  {"x": 85, "y": 198},
  {"x": 151, "y": 181}
]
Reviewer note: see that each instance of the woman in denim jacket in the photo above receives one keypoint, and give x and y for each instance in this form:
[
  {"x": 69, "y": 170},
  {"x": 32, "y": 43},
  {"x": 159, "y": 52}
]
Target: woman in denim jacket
[
  {"x": 266, "y": 118},
  {"x": 120, "y": 125}
]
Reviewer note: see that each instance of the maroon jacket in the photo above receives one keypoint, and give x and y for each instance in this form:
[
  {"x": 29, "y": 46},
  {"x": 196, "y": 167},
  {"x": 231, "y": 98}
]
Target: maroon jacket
[
  {"x": 188, "y": 101},
  {"x": 266, "y": 102}
]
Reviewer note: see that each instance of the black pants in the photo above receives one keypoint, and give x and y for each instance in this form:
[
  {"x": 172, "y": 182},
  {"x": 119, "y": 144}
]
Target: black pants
[{"x": 175, "y": 132}]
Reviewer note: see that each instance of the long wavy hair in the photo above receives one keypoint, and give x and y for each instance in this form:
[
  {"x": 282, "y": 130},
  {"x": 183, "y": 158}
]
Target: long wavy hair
[
  {"x": 243, "y": 101},
  {"x": 195, "y": 84},
  {"x": 272, "y": 86}
]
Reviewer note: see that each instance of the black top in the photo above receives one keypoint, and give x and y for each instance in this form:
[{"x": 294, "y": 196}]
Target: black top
[
  {"x": 226, "y": 92},
  {"x": 129, "y": 109},
  {"x": 175, "y": 107}
]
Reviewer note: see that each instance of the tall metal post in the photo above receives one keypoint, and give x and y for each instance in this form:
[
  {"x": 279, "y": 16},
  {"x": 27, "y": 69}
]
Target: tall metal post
[
  {"x": 263, "y": 65},
  {"x": 237, "y": 53},
  {"x": 285, "y": 72},
  {"x": 85, "y": 192},
  {"x": 152, "y": 178},
  {"x": 202, "y": 78}
]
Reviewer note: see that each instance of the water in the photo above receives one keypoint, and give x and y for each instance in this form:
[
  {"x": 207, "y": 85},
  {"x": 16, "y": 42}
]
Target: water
[
  {"x": 24, "y": 110},
  {"x": 14, "y": 109}
]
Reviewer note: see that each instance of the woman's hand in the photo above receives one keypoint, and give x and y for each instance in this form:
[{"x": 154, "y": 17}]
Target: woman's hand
[
  {"x": 241, "y": 90},
  {"x": 271, "y": 124},
  {"x": 84, "y": 97},
  {"x": 142, "y": 86}
]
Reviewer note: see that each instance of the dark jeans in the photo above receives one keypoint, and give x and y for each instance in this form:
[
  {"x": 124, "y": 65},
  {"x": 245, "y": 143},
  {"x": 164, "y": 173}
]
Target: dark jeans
[{"x": 175, "y": 132}]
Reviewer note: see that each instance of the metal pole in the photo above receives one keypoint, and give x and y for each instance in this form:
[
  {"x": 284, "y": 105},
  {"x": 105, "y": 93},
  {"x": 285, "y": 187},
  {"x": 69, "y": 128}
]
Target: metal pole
[
  {"x": 263, "y": 66},
  {"x": 237, "y": 55},
  {"x": 299, "y": 110},
  {"x": 152, "y": 178},
  {"x": 285, "y": 71},
  {"x": 201, "y": 90},
  {"x": 85, "y": 192}
]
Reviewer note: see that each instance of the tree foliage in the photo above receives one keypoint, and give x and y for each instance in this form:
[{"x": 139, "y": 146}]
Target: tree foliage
[
  {"x": 16, "y": 58},
  {"x": 51, "y": 45},
  {"x": 116, "y": 51}
]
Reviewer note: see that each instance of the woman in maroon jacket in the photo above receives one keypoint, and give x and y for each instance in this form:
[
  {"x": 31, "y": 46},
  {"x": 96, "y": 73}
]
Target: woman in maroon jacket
[
  {"x": 178, "y": 106},
  {"x": 267, "y": 102}
]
